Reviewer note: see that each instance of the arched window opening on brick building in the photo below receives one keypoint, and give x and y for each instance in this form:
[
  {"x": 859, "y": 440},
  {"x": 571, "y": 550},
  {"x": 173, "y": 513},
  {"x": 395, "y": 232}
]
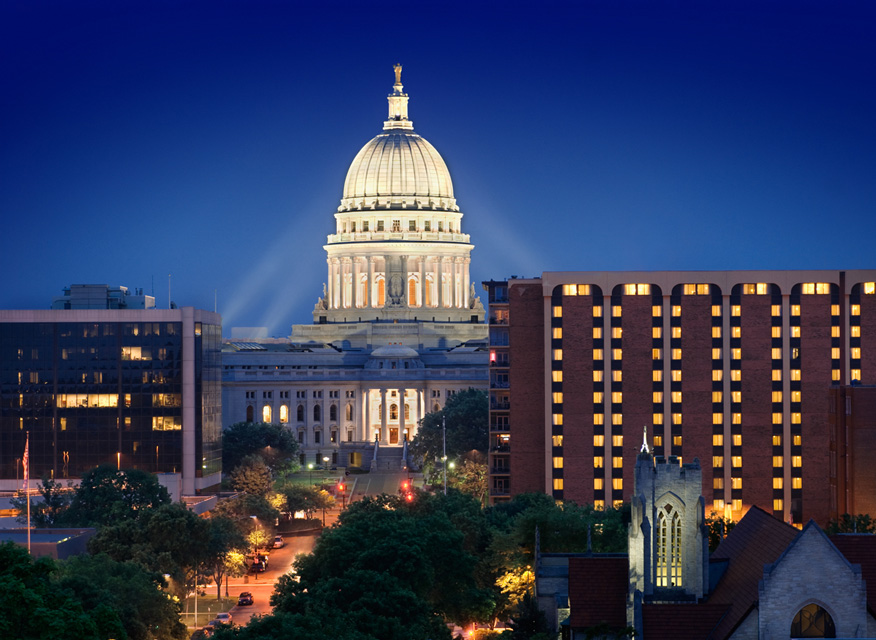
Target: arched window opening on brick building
[{"x": 813, "y": 621}]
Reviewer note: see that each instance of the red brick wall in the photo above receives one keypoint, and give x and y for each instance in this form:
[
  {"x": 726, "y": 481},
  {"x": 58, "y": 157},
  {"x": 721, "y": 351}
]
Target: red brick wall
[
  {"x": 868, "y": 339},
  {"x": 862, "y": 444},
  {"x": 578, "y": 398},
  {"x": 526, "y": 325}
]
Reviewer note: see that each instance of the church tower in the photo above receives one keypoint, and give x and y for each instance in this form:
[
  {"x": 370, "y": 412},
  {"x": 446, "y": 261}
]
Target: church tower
[{"x": 668, "y": 537}]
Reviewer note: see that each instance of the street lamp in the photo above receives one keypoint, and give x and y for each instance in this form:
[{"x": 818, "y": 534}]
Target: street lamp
[
  {"x": 444, "y": 441},
  {"x": 310, "y": 468}
]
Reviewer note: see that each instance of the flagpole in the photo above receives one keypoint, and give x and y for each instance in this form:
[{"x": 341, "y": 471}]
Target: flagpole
[{"x": 27, "y": 483}]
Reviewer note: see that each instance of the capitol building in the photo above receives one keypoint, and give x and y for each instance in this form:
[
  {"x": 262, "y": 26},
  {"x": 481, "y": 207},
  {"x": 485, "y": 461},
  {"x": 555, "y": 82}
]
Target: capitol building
[{"x": 398, "y": 328}]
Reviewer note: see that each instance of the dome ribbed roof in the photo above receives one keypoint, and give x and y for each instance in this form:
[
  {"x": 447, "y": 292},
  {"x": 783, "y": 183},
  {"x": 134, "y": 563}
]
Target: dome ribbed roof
[{"x": 398, "y": 163}]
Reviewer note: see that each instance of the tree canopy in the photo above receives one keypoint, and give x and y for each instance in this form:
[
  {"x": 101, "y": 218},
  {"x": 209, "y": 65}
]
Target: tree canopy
[
  {"x": 274, "y": 443},
  {"x": 252, "y": 476},
  {"x": 108, "y": 496}
]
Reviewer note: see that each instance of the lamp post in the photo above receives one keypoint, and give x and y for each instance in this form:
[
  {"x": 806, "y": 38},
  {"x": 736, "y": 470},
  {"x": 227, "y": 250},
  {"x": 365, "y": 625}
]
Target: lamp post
[
  {"x": 444, "y": 442},
  {"x": 310, "y": 468}
]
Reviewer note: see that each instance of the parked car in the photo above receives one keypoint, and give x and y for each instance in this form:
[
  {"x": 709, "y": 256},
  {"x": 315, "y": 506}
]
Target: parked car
[
  {"x": 244, "y": 599},
  {"x": 279, "y": 542},
  {"x": 257, "y": 567},
  {"x": 224, "y": 618}
]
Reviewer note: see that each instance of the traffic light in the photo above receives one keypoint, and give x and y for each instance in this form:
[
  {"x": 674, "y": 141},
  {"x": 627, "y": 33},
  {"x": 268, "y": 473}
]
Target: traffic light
[
  {"x": 409, "y": 497},
  {"x": 406, "y": 485},
  {"x": 341, "y": 487}
]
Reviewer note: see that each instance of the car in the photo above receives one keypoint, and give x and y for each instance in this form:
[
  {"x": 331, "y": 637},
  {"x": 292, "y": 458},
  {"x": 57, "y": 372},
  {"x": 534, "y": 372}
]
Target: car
[
  {"x": 279, "y": 542},
  {"x": 224, "y": 618},
  {"x": 244, "y": 599},
  {"x": 257, "y": 567}
]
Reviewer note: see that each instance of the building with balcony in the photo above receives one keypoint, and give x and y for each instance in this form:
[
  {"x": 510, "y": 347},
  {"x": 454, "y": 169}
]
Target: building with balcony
[{"x": 499, "y": 453}]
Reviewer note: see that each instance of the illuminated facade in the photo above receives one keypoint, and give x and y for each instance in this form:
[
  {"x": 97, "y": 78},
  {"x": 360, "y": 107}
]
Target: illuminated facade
[
  {"x": 136, "y": 388},
  {"x": 397, "y": 328},
  {"x": 734, "y": 368}
]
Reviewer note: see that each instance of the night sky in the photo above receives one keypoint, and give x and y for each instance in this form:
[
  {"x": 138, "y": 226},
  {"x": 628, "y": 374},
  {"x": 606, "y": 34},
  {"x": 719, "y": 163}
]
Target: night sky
[{"x": 210, "y": 140}]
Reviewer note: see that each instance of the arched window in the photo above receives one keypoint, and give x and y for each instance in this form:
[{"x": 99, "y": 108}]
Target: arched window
[
  {"x": 266, "y": 413},
  {"x": 300, "y": 412},
  {"x": 381, "y": 291},
  {"x": 813, "y": 622},
  {"x": 436, "y": 408},
  {"x": 249, "y": 413},
  {"x": 317, "y": 413},
  {"x": 412, "y": 293},
  {"x": 284, "y": 413},
  {"x": 407, "y": 412},
  {"x": 333, "y": 412},
  {"x": 668, "y": 547},
  {"x": 393, "y": 412},
  {"x": 349, "y": 412}
]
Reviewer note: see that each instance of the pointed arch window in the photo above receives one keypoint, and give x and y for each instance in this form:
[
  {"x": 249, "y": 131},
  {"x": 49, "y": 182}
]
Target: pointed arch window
[
  {"x": 300, "y": 412},
  {"x": 317, "y": 413},
  {"x": 284, "y": 413},
  {"x": 668, "y": 572},
  {"x": 813, "y": 621},
  {"x": 266, "y": 413},
  {"x": 333, "y": 412}
]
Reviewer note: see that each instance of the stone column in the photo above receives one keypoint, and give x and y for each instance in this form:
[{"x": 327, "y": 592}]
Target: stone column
[
  {"x": 365, "y": 412},
  {"x": 356, "y": 263},
  {"x": 370, "y": 293},
  {"x": 406, "y": 274},
  {"x": 384, "y": 414},
  {"x": 440, "y": 283},
  {"x": 415, "y": 413},
  {"x": 466, "y": 284},
  {"x": 402, "y": 423},
  {"x": 422, "y": 263},
  {"x": 342, "y": 272},
  {"x": 329, "y": 292}
]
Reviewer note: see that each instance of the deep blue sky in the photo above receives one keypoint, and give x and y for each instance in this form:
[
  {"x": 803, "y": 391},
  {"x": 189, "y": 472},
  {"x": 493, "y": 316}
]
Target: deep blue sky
[{"x": 210, "y": 140}]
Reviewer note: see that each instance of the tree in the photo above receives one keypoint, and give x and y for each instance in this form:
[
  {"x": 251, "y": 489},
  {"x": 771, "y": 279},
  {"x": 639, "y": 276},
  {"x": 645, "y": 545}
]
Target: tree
[
  {"x": 107, "y": 495},
  {"x": 301, "y": 498},
  {"x": 34, "y": 605},
  {"x": 224, "y": 539},
  {"x": 466, "y": 415},
  {"x": 56, "y": 500},
  {"x": 146, "y": 611},
  {"x": 252, "y": 476},
  {"x": 274, "y": 443},
  {"x": 719, "y": 527},
  {"x": 861, "y": 523},
  {"x": 471, "y": 476},
  {"x": 530, "y": 623}
]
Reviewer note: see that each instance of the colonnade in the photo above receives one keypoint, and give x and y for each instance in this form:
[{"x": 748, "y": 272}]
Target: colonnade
[
  {"x": 390, "y": 430},
  {"x": 360, "y": 282}
]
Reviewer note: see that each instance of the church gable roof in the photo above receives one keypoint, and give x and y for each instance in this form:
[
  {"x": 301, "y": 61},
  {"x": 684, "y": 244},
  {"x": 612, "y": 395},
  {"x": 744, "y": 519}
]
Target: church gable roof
[
  {"x": 597, "y": 591},
  {"x": 681, "y": 621},
  {"x": 860, "y": 549}
]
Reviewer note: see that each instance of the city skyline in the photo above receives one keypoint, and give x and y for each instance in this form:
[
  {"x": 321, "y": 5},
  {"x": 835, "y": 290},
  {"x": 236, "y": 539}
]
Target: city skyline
[{"x": 211, "y": 141}]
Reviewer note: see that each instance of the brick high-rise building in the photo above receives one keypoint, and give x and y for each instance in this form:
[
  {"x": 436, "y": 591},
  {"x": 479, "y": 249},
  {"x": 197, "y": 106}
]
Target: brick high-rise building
[{"x": 732, "y": 367}]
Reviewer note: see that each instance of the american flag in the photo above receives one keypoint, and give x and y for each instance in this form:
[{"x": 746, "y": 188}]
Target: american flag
[{"x": 26, "y": 461}]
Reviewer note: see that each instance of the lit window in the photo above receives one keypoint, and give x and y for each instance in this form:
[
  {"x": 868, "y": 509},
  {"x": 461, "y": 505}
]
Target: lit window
[
  {"x": 558, "y": 484},
  {"x": 597, "y": 375},
  {"x": 796, "y": 418},
  {"x": 795, "y": 309},
  {"x": 597, "y": 397},
  {"x": 796, "y": 461},
  {"x": 856, "y": 374},
  {"x": 795, "y": 374},
  {"x": 658, "y": 441},
  {"x": 716, "y": 354},
  {"x": 778, "y": 504},
  {"x": 717, "y": 396},
  {"x": 834, "y": 309},
  {"x": 617, "y": 462},
  {"x": 617, "y": 332},
  {"x": 558, "y": 419},
  {"x": 777, "y": 418},
  {"x": 777, "y": 331},
  {"x": 718, "y": 482},
  {"x": 718, "y": 506},
  {"x": 777, "y": 440},
  {"x": 735, "y": 483},
  {"x": 796, "y": 483},
  {"x": 657, "y": 418},
  {"x": 717, "y": 375},
  {"x": 795, "y": 396},
  {"x": 657, "y": 375},
  {"x": 557, "y": 441},
  {"x": 656, "y": 311},
  {"x": 656, "y": 354},
  {"x": 558, "y": 354},
  {"x": 597, "y": 462},
  {"x": 736, "y": 396},
  {"x": 676, "y": 310},
  {"x": 616, "y": 311},
  {"x": 676, "y": 441},
  {"x": 598, "y": 484},
  {"x": 617, "y": 354},
  {"x": 558, "y": 312},
  {"x": 735, "y": 332},
  {"x": 716, "y": 332},
  {"x": 676, "y": 418},
  {"x": 777, "y": 353},
  {"x": 637, "y": 289},
  {"x": 599, "y": 505},
  {"x": 717, "y": 418},
  {"x": 676, "y": 332},
  {"x": 870, "y": 288},
  {"x": 617, "y": 397},
  {"x": 676, "y": 354},
  {"x": 777, "y": 396},
  {"x": 777, "y": 375},
  {"x": 736, "y": 505},
  {"x": 856, "y": 353},
  {"x": 558, "y": 462},
  {"x": 598, "y": 419},
  {"x": 617, "y": 441},
  {"x": 570, "y": 290},
  {"x": 717, "y": 440},
  {"x": 797, "y": 439},
  {"x": 617, "y": 484},
  {"x": 736, "y": 354},
  {"x": 716, "y": 310},
  {"x": 598, "y": 440},
  {"x": 617, "y": 419},
  {"x": 778, "y": 462},
  {"x": 778, "y": 483},
  {"x": 737, "y": 439},
  {"x": 266, "y": 413},
  {"x": 597, "y": 333},
  {"x": 558, "y": 397},
  {"x": 676, "y": 375},
  {"x": 835, "y": 353},
  {"x": 557, "y": 333},
  {"x": 736, "y": 418},
  {"x": 597, "y": 354},
  {"x": 736, "y": 461},
  {"x": 557, "y": 376},
  {"x": 617, "y": 504},
  {"x": 656, "y": 332},
  {"x": 676, "y": 396},
  {"x": 597, "y": 312},
  {"x": 718, "y": 461},
  {"x": 735, "y": 310},
  {"x": 776, "y": 310},
  {"x": 816, "y": 288}
]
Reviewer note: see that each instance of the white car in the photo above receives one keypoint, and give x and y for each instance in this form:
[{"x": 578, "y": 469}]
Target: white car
[
  {"x": 224, "y": 618},
  {"x": 279, "y": 542}
]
